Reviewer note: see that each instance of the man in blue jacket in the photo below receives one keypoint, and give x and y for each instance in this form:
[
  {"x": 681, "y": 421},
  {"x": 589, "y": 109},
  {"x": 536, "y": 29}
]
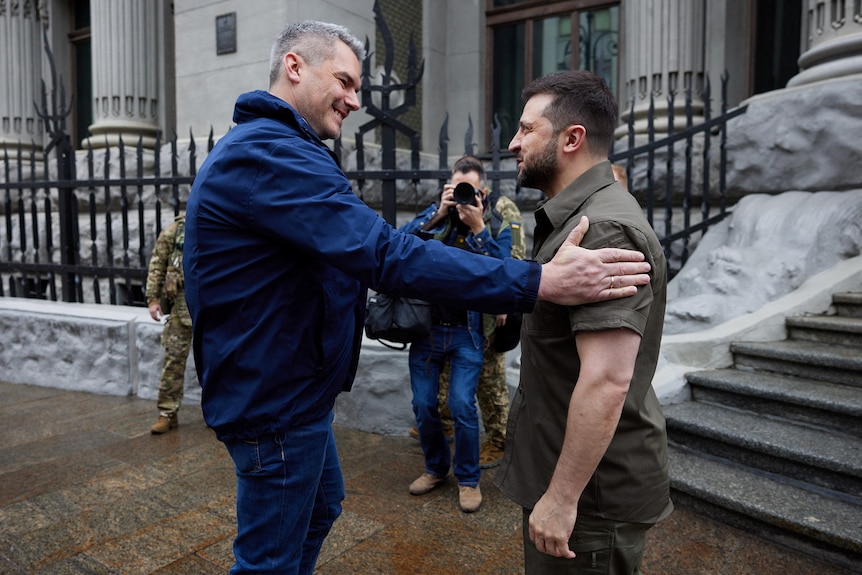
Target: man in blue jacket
[{"x": 278, "y": 254}]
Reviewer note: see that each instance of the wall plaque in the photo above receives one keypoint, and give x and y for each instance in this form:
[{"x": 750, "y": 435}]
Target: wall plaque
[{"x": 226, "y": 33}]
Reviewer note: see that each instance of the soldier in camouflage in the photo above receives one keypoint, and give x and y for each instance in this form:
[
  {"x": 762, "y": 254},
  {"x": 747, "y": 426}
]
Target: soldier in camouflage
[
  {"x": 492, "y": 393},
  {"x": 166, "y": 297}
]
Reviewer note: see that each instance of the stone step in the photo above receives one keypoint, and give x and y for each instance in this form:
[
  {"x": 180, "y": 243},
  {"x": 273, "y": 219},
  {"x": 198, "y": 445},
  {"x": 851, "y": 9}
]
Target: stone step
[
  {"x": 808, "y": 454},
  {"x": 825, "y": 362},
  {"x": 826, "y": 329},
  {"x": 848, "y": 304},
  {"x": 831, "y": 406},
  {"x": 813, "y": 521}
]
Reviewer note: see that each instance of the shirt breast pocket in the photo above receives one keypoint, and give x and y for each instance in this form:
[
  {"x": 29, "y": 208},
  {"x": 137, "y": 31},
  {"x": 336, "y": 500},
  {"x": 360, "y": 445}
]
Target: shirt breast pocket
[{"x": 548, "y": 319}]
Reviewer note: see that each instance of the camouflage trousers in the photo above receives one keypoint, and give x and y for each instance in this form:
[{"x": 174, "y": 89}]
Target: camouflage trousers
[
  {"x": 492, "y": 395},
  {"x": 176, "y": 339}
]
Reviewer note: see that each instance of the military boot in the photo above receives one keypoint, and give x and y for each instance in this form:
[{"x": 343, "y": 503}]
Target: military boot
[{"x": 164, "y": 424}]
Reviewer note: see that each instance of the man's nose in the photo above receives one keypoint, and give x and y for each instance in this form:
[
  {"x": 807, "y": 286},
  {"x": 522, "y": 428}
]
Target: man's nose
[{"x": 353, "y": 101}]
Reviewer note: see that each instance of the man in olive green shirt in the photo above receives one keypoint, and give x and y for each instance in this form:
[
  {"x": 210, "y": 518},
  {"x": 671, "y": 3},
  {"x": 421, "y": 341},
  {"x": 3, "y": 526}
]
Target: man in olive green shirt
[{"x": 586, "y": 451}]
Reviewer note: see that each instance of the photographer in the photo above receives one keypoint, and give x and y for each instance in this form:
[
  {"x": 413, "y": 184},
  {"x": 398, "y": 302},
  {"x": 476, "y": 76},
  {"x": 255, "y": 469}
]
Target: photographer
[
  {"x": 461, "y": 216},
  {"x": 463, "y": 219}
]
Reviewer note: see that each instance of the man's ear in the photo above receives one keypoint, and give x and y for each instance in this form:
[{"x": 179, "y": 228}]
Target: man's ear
[
  {"x": 575, "y": 138},
  {"x": 292, "y": 66}
]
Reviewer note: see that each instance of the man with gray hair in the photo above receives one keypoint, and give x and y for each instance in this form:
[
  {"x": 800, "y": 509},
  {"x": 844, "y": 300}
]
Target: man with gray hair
[{"x": 278, "y": 255}]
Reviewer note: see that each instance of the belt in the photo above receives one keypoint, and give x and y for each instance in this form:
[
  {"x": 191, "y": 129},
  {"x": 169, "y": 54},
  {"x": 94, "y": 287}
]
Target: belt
[{"x": 451, "y": 323}]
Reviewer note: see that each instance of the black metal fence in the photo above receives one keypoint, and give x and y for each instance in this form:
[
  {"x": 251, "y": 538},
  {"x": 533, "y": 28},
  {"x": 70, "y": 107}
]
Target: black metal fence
[{"x": 88, "y": 239}]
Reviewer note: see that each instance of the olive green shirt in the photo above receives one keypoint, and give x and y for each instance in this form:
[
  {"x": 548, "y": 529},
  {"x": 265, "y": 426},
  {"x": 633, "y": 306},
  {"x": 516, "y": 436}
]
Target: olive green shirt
[{"x": 631, "y": 481}]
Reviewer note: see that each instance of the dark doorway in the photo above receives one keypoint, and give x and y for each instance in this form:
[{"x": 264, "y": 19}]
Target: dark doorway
[{"x": 778, "y": 30}]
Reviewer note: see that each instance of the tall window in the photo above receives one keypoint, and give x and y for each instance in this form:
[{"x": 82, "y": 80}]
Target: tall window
[
  {"x": 82, "y": 70},
  {"x": 530, "y": 39}
]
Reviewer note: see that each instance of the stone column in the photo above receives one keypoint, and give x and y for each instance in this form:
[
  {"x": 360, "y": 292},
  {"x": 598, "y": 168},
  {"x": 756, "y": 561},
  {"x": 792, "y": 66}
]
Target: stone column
[
  {"x": 663, "y": 54},
  {"x": 21, "y": 60},
  {"x": 834, "y": 43},
  {"x": 126, "y": 66}
]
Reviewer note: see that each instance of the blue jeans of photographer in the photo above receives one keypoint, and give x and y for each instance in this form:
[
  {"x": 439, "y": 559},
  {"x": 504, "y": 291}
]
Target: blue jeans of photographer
[
  {"x": 465, "y": 352},
  {"x": 289, "y": 493}
]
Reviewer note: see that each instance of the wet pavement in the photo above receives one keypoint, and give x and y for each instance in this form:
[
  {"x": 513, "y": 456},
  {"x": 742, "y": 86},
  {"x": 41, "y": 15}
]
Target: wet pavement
[{"x": 85, "y": 488}]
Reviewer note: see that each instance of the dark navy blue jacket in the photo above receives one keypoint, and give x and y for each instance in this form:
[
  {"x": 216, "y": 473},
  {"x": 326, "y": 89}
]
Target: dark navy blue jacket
[{"x": 278, "y": 254}]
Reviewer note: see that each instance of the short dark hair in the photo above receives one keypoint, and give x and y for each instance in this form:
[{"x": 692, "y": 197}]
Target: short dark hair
[
  {"x": 467, "y": 164},
  {"x": 579, "y": 97}
]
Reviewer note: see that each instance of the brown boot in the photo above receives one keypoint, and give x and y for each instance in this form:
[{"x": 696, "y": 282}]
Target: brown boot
[
  {"x": 469, "y": 498},
  {"x": 425, "y": 483},
  {"x": 490, "y": 455},
  {"x": 164, "y": 424}
]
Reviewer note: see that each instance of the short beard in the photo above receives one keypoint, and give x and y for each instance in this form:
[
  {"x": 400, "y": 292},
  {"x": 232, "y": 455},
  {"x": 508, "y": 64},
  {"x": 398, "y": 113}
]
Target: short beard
[{"x": 541, "y": 173}]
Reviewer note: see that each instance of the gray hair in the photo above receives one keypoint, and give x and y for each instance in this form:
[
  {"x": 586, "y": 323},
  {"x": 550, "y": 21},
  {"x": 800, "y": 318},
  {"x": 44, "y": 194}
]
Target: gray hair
[{"x": 312, "y": 40}]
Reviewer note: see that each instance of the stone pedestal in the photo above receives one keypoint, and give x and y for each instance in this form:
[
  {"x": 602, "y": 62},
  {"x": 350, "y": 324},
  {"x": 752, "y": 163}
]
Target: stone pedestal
[
  {"x": 663, "y": 55},
  {"x": 834, "y": 42}
]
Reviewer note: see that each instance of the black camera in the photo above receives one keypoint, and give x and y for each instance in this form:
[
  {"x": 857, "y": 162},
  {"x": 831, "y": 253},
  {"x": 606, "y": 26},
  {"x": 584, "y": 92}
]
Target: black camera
[{"x": 465, "y": 194}]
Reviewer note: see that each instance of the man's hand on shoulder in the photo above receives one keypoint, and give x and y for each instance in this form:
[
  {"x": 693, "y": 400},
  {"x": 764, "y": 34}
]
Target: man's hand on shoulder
[{"x": 577, "y": 275}]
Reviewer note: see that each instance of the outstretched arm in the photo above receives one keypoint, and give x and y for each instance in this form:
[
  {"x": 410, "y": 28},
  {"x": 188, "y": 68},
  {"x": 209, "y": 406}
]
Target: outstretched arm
[{"x": 577, "y": 275}]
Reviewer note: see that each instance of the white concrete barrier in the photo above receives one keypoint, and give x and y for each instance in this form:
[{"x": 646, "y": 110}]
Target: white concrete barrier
[{"x": 107, "y": 349}]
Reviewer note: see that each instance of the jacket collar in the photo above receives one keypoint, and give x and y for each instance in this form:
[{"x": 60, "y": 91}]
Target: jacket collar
[{"x": 256, "y": 104}]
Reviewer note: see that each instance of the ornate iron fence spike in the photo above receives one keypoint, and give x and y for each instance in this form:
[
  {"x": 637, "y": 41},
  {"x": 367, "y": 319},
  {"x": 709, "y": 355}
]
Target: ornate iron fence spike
[
  {"x": 443, "y": 138},
  {"x": 389, "y": 56},
  {"x": 411, "y": 61},
  {"x": 468, "y": 137}
]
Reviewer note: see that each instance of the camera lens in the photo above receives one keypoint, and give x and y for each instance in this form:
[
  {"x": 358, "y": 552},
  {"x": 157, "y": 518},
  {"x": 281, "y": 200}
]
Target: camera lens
[{"x": 464, "y": 193}]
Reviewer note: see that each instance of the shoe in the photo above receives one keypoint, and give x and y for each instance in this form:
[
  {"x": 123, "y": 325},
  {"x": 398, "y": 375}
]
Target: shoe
[
  {"x": 490, "y": 455},
  {"x": 164, "y": 424},
  {"x": 449, "y": 433},
  {"x": 425, "y": 483},
  {"x": 469, "y": 498}
]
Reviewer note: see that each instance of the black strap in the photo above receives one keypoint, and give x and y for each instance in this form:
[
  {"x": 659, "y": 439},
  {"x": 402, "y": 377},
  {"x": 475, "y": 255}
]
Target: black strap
[{"x": 496, "y": 217}]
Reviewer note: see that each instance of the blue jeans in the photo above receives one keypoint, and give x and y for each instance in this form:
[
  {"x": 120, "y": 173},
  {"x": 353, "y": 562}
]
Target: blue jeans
[
  {"x": 465, "y": 360},
  {"x": 288, "y": 494}
]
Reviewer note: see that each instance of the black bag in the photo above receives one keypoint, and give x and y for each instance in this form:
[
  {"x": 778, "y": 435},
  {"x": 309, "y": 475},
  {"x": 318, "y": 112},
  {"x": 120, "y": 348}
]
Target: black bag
[
  {"x": 397, "y": 319},
  {"x": 166, "y": 303},
  {"x": 507, "y": 336}
]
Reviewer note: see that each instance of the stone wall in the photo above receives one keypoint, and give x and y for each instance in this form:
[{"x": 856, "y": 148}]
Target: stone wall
[{"x": 114, "y": 350}]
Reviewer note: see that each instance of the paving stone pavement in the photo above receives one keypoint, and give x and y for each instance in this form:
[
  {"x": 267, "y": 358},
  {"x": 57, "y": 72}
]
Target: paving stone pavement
[{"x": 85, "y": 489}]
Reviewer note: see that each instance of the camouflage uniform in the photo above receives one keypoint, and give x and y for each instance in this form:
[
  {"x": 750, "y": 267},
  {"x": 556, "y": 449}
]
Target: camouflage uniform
[
  {"x": 492, "y": 393},
  {"x": 165, "y": 285}
]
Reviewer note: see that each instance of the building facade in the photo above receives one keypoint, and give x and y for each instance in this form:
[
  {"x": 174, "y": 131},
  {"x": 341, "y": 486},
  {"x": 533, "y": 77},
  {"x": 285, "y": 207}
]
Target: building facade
[{"x": 141, "y": 68}]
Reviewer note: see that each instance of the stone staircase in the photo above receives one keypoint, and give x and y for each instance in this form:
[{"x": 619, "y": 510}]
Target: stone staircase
[{"x": 773, "y": 445}]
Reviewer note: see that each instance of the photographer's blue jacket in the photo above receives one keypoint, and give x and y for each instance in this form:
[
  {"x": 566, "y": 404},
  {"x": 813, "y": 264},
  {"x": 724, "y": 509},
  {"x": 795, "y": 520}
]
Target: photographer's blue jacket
[
  {"x": 278, "y": 254},
  {"x": 484, "y": 243}
]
